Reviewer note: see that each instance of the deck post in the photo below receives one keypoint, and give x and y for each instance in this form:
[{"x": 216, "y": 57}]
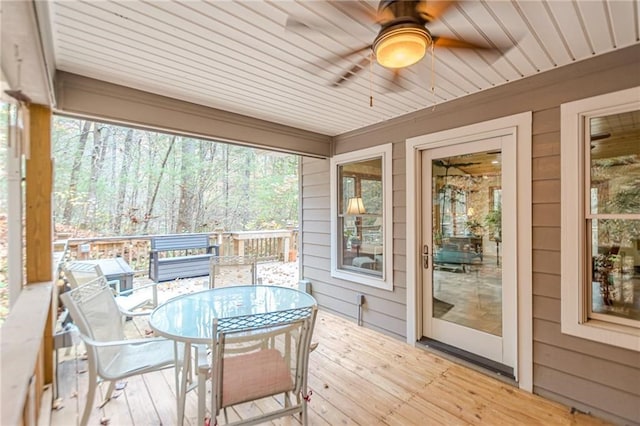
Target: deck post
[
  {"x": 39, "y": 229},
  {"x": 286, "y": 248},
  {"x": 39, "y": 189},
  {"x": 239, "y": 247}
]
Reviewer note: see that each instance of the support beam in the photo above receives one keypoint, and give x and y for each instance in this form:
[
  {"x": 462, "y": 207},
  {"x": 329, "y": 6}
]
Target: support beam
[
  {"x": 39, "y": 219},
  {"x": 96, "y": 99},
  {"x": 39, "y": 189}
]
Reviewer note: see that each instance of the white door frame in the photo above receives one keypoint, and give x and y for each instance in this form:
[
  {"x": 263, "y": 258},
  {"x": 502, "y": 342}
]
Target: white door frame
[
  {"x": 518, "y": 125},
  {"x": 500, "y": 348}
]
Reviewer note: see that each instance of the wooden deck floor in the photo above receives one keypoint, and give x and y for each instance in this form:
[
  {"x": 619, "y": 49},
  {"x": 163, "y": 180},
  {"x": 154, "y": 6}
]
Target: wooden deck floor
[{"x": 358, "y": 377}]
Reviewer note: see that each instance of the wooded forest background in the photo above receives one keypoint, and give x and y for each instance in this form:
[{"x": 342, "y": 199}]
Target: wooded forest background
[{"x": 114, "y": 180}]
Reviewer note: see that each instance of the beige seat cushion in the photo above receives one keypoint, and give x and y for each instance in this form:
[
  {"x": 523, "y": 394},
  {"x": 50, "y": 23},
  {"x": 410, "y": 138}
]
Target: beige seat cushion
[{"x": 255, "y": 375}]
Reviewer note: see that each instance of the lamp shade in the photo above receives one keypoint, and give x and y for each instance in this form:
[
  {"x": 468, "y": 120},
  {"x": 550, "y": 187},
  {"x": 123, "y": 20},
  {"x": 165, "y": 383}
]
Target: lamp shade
[
  {"x": 401, "y": 47},
  {"x": 355, "y": 206}
]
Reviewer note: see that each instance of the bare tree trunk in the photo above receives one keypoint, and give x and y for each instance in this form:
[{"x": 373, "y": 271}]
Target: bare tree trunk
[
  {"x": 205, "y": 178},
  {"x": 225, "y": 185},
  {"x": 97, "y": 154},
  {"x": 133, "y": 210},
  {"x": 148, "y": 215},
  {"x": 75, "y": 169},
  {"x": 244, "y": 212},
  {"x": 111, "y": 146},
  {"x": 123, "y": 178},
  {"x": 150, "y": 163},
  {"x": 187, "y": 188}
]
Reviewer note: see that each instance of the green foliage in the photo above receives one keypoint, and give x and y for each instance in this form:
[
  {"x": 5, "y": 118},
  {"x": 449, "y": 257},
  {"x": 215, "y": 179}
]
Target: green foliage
[
  {"x": 474, "y": 227},
  {"x": 493, "y": 223},
  {"x": 627, "y": 199},
  {"x": 129, "y": 181}
]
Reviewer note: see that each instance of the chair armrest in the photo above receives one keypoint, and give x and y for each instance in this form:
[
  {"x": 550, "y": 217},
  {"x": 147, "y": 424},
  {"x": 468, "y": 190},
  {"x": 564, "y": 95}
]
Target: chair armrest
[
  {"x": 98, "y": 344},
  {"x": 154, "y": 293},
  {"x": 133, "y": 290},
  {"x": 128, "y": 313}
]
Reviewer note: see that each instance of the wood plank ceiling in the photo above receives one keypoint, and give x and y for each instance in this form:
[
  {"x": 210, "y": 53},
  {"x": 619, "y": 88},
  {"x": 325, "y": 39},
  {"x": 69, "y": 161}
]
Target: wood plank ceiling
[{"x": 240, "y": 56}]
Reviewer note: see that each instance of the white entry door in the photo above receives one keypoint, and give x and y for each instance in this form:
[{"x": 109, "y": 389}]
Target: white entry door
[{"x": 468, "y": 244}]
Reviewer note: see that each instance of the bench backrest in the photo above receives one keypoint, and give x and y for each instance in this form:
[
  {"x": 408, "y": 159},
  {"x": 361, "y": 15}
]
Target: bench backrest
[{"x": 180, "y": 242}]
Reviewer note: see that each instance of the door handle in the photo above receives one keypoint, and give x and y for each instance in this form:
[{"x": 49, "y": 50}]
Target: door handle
[{"x": 425, "y": 256}]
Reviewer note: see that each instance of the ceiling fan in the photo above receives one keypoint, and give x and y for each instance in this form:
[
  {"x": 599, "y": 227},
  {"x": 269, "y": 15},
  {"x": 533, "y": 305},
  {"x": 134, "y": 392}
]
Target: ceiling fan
[{"x": 403, "y": 38}]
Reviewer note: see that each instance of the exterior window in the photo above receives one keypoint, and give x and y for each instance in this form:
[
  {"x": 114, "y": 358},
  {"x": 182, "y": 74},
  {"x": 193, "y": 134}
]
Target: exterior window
[
  {"x": 601, "y": 279},
  {"x": 613, "y": 218},
  {"x": 361, "y": 222}
]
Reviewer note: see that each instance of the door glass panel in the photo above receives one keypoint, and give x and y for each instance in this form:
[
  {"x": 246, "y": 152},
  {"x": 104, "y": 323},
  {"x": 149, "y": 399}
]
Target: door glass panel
[{"x": 467, "y": 233}]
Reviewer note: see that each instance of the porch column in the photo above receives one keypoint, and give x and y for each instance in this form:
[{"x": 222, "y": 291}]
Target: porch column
[{"x": 38, "y": 218}]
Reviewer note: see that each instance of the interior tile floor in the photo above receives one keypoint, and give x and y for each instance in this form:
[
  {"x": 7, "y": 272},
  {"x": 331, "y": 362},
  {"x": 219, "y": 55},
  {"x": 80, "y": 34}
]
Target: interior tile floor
[{"x": 475, "y": 292}]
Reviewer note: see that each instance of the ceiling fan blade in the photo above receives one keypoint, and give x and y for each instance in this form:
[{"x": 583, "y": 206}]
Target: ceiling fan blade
[
  {"x": 396, "y": 83},
  {"x": 339, "y": 59},
  {"x": 383, "y": 15},
  {"x": 457, "y": 44},
  {"x": 308, "y": 26},
  {"x": 363, "y": 13},
  {"x": 432, "y": 10},
  {"x": 441, "y": 163},
  {"x": 350, "y": 73},
  {"x": 296, "y": 25},
  {"x": 346, "y": 55}
]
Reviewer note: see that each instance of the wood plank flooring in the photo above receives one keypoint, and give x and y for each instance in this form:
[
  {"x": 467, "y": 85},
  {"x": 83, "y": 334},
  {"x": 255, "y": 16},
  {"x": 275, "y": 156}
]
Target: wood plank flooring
[{"x": 358, "y": 377}]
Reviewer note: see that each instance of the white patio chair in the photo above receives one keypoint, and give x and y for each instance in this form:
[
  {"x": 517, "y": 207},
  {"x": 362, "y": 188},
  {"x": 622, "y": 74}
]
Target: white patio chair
[
  {"x": 79, "y": 273},
  {"x": 226, "y": 271},
  {"x": 252, "y": 363},
  {"x": 232, "y": 270},
  {"x": 111, "y": 356}
]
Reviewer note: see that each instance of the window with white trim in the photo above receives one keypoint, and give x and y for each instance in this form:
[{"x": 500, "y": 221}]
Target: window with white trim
[
  {"x": 361, "y": 217},
  {"x": 600, "y": 250}
]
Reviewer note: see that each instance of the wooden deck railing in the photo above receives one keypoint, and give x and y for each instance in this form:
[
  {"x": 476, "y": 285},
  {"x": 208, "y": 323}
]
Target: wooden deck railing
[
  {"x": 278, "y": 244},
  {"x": 265, "y": 244},
  {"x": 26, "y": 341},
  {"x": 23, "y": 355}
]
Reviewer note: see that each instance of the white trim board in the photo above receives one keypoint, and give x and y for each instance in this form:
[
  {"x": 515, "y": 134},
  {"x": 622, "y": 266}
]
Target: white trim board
[
  {"x": 575, "y": 118},
  {"x": 521, "y": 125},
  {"x": 384, "y": 151}
]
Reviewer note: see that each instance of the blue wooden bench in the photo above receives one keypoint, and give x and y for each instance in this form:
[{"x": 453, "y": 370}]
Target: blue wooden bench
[{"x": 175, "y": 256}]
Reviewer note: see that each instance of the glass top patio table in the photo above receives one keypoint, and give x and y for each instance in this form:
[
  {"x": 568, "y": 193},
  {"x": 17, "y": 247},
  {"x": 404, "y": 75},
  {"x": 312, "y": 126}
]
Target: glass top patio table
[{"x": 189, "y": 318}]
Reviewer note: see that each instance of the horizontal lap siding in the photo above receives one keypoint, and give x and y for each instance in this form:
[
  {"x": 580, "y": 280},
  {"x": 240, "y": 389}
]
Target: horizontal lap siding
[
  {"x": 384, "y": 311},
  {"x": 583, "y": 384},
  {"x": 590, "y": 376}
]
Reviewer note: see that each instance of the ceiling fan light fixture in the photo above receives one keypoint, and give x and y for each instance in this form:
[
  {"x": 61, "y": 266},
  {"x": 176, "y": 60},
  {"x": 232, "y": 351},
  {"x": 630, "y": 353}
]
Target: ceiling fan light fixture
[{"x": 401, "y": 47}]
